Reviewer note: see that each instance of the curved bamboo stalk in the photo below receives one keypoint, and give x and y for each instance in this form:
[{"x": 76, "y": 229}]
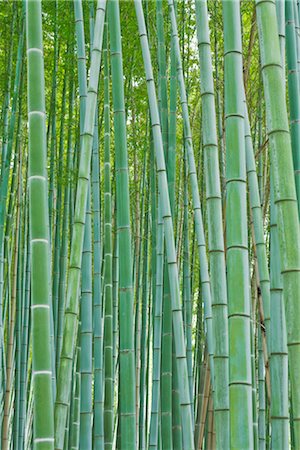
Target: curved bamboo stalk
[{"x": 72, "y": 298}]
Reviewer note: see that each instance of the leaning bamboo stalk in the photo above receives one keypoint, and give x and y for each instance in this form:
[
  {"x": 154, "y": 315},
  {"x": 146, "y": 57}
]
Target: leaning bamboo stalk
[
  {"x": 166, "y": 338},
  {"x": 72, "y": 298},
  {"x": 188, "y": 441},
  {"x": 199, "y": 229}
]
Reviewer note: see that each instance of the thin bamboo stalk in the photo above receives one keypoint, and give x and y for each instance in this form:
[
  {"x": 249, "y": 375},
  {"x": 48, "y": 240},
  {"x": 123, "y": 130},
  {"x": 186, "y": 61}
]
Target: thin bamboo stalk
[{"x": 108, "y": 294}]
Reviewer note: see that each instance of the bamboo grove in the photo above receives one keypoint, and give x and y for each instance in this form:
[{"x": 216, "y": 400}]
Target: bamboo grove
[{"x": 149, "y": 224}]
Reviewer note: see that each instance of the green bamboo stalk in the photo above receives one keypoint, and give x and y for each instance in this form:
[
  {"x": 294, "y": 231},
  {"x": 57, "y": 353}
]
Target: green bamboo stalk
[
  {"x": 279, "y": 409},
  {"x": 7, "y": 147},
  {"x": 25, "y": 330},
  {"x": 39, "y": 233},
  {"x": 294, "y": 91},
  {"x": 261, "y": 395},
  {"x": 97, "y": 300},
  {"x": 219, "y": 108},
  {"x": 14, "y": 204},
  {"x": 280, "y": 13},
  {"x": 144, "y": 332},
  {"x": 57, "y": 228},
  {"x": 139, "y": 298},
  {"x": 186, "y": 415},
  {"x": 297, "y": 31},
  {"x": 17, "y": 280},
  {"x": 162, "y": 59},
  {"x": 75, "y": 428},
  {"x": 284, "y": 189},
  {"x": 205, "y": 282},
  {"x": 98, "y": 420},
  {"x": 176, "y": 416},
  {"x": 166, "y": 339},
  {"x": 157, "y": 325},
  {"x": 66, "y": 232},
  {"x": 52, "y": 126},
  {"x": 86, "y": 336},
  {"x": 108, "y": 293},
  {"x": 126, "y": 350},
  {"x": 81, "y": 62},
  {"x": 215, "y": 229},
  {"x": 240, "y": 390},
  {"x": 187, "y": 300},
  {"x": 115, "y": 296},
  {"x": 166, "y": 365},
  {"x": 171, "y": 175},
  {"x": 71, "y": 310},
  {"x": 254, "y": 382},
  {"x": 171, "y": 159},
  {"x": 258, "y": 232},
  {"x": 13, "y": 330}
]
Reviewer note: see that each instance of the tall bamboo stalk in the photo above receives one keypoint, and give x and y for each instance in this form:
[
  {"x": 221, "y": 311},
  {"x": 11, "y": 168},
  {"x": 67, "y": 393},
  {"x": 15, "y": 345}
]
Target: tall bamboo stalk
[
  {"x": 215, "y": 229},
  {"x": 39, "y": 233},
  {"x": 284, "y": 189},
  {"x": 126, "y": 348},
  {"x": 108, "y": 298},
  {"x": 240, "y": 392},
  {"x": 186, "y": 414},
  {"x": 72, "y": 298}
]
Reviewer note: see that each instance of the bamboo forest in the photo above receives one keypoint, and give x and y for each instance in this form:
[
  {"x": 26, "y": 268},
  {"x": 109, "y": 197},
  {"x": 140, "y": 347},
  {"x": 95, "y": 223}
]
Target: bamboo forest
[{"x": 149, "y": 224}]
